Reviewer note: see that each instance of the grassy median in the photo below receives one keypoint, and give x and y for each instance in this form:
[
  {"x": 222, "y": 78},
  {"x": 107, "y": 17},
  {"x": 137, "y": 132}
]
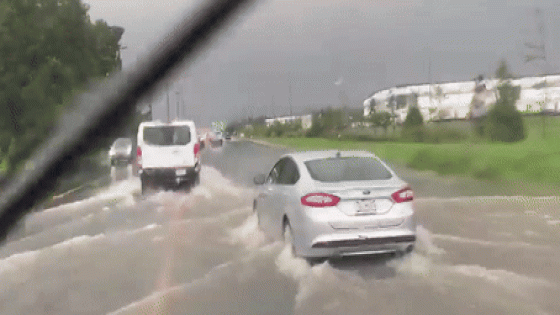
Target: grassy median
[{"x": 536, "y": 159}]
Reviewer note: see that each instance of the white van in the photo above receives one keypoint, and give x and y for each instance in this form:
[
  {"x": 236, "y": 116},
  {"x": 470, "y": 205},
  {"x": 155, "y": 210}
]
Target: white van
[{"x": 168, "y": 154}]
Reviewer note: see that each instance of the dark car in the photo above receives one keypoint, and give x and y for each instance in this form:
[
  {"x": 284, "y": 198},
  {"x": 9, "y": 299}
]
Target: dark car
[{"x": 121, "y": 151}]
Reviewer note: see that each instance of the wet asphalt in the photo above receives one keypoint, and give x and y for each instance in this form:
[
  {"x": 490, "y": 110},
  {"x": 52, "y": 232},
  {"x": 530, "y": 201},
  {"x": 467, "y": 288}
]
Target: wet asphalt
[{"x": 483, "y": 248}]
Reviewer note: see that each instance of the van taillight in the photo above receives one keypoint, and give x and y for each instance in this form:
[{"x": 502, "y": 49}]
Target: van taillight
[
  {"x": 138, "y": 156},
  {"x": 196, "y": 148}
]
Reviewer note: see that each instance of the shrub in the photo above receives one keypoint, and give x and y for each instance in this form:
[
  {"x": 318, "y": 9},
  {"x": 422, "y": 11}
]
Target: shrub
[
  {"x": 268, "y": 132},
  {"x": 381, "y": 119},
  {"x": 413, "y": 126},
  {"x": 316, "y": 129},
  {"x": 413, "y": 118},
  {"x": 504, "y": 123}
]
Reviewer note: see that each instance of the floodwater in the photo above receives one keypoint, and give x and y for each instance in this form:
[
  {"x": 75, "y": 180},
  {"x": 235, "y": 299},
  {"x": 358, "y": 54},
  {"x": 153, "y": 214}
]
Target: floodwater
[{"x": 201, "y": 252}]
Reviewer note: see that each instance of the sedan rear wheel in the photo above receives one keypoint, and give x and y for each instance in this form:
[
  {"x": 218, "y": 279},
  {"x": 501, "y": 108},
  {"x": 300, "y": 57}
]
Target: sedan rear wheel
[
  {"x": 289, "y": 237},
  {"x": 405, "y": 252}
]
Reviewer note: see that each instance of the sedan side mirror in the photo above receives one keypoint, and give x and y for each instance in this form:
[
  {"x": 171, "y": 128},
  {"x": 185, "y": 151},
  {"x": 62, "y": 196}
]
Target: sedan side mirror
[{"x": 259, "y": 179}]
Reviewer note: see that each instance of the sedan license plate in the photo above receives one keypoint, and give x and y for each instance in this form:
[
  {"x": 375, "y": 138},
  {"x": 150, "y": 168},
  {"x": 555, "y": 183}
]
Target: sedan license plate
[
  {"x": 181, "y": 172},
  {"x": 366, "y": 206}
]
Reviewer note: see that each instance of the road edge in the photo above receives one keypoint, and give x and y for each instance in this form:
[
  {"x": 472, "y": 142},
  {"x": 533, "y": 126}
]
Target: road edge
[
  {"x": 268, "y": 144},
  {"x": 73, "y": 195}
]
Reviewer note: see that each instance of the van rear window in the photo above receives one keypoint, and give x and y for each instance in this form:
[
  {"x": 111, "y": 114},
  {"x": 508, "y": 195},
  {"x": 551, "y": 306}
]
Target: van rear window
[{"x": 167, "y": 135}]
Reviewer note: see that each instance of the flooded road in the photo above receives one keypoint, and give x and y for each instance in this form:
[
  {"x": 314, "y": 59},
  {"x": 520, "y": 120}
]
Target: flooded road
[{"x": 202, "y": 253}]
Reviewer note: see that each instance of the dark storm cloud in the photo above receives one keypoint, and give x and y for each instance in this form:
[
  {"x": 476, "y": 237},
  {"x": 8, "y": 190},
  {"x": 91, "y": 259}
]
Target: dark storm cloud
[{"x": 312, "y": 44}]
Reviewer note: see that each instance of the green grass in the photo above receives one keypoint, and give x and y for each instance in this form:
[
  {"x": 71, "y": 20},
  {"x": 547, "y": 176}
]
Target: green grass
[
  {"x": 3, "y": 165},
  {"x": 536, "y": 159}
]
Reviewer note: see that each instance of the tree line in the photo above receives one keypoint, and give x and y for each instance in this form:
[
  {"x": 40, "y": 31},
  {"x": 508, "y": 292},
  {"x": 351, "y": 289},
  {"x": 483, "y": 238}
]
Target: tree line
[{"x": 49, "y": 50}]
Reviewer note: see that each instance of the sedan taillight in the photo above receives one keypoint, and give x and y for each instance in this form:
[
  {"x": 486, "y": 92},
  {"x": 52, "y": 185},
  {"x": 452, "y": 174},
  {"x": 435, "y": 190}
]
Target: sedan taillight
[
  {"x": 319, "y": 200},
  {"x": 403, "y": 195}
]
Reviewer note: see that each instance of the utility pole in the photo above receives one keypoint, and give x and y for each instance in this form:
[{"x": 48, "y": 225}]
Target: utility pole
[
  {"x": 392, "y": 102},
  {"x": 185, "y": 91},
  {"x": 272, "y": 106},
  {"x": 149, "y": 101},
  {"x": 290, "y": 96},
  {"x": 168, "y": 115},
  {"x": 540, "y": 54},
  {"x": 177, "y": 109},
  {"x": 430, "y": 78}
]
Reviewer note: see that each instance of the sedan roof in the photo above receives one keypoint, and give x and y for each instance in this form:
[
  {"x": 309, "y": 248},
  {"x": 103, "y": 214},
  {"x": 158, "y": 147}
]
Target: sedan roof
[
  {"x": 122, "y": 141},
  {"x": 303, "y": 156}
]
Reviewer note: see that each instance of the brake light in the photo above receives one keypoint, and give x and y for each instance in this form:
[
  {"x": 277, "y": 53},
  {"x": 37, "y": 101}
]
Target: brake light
[
  {"x": 319, "y": 200},
  {"x": 196, "y": 148},
  {"x": 403, "y": 195},
  {"x": 139, "y": 156}
]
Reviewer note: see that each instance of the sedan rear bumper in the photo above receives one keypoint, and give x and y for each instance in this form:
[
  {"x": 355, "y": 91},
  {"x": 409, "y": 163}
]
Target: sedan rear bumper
[
  {"x": 320, "y": 239},
  {"x": 360, "y": 241},
  {"x": 352, "y": 245}
]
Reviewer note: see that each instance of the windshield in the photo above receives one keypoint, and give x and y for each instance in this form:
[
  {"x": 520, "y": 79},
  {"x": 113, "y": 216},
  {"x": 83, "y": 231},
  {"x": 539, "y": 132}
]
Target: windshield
[
  {"x": 347, "y": 169},
  {"x": 460, "y": 97},
  {"x": 167, "y": 135}
]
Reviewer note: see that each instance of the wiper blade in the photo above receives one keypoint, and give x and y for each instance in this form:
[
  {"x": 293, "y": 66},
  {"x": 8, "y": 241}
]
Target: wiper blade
[{"x": 101, "y": 111}]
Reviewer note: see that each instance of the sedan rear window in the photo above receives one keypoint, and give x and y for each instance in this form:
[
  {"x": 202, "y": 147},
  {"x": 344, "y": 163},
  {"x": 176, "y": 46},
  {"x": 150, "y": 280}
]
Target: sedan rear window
[
  {"x": 167, "y": 135},
  {"x": 347, "y": 169}
]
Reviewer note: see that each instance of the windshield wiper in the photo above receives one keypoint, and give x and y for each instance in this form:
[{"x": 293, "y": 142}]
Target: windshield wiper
[{"x": 100, "y": 112}]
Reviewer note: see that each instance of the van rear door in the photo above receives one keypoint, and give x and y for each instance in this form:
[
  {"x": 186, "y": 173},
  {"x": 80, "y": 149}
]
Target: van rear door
[{"x": 168, "y": 146}]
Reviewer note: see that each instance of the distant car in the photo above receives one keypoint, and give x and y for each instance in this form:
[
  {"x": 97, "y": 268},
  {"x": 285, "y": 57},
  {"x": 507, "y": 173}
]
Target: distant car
[
  {"x": 331, "y": 203},
  {"x": 228, "y": 136},
  {"x": 202, "y": 141},
  {"x": 121, "y": 151},
  {"x": 168, "y": 154},
  {"x": 217, "y": 139}
]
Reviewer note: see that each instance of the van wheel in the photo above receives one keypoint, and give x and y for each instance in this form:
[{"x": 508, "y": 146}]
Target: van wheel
[
  {"x": 196, "y": 180},
  {"x": 145, "y": 185}
]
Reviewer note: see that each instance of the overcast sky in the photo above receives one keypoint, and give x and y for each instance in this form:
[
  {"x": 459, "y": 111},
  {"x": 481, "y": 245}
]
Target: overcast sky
[{"x": 361, "y": 45}]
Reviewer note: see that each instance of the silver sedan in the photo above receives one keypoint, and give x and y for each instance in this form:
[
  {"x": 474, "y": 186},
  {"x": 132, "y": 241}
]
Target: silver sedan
[{"x": 336, "y": 203}]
